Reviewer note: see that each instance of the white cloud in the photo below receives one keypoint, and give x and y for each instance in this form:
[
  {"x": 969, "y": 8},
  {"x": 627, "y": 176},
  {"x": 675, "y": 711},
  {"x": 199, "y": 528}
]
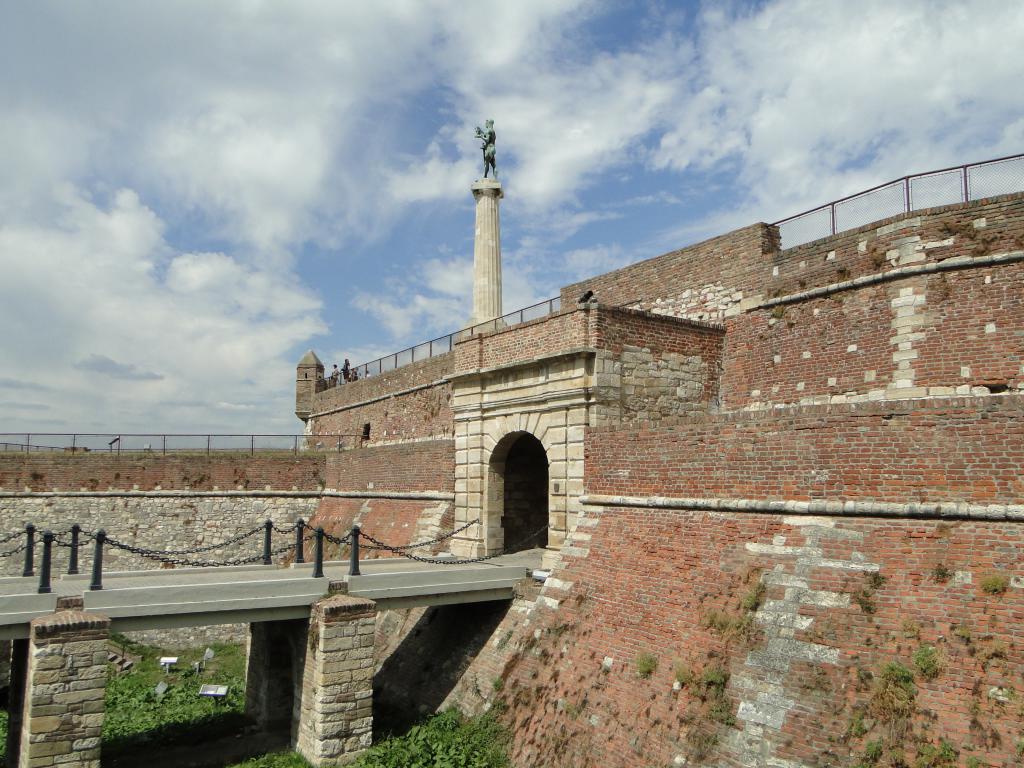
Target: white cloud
[{"x": 117, "y": 324}]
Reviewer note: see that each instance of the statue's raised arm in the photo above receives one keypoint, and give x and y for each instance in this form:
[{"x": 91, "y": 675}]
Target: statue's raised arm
[{"x": 488, "y": 136}]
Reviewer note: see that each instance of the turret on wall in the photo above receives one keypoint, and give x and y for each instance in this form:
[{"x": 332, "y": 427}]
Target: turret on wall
[{"x": 308, "y": 373}]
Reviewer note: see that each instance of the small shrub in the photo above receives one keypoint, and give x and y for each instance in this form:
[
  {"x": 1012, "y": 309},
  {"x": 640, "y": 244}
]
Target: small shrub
[
  {"x": 778, "y": 312},
  {"x": 497, "y": 684},
  {"x": 963, "y": 631},
  {"x": 754, "y": 598},
  {"x": 989, "y": 651},
  {"x": 646, "y": 663},
  {"x": 872, "y": 754},
  {"x": 942, "y": 755},
  {"x": 911, "y": 629},
  {"x": 857, "y": 726},
  {"x": 941, "y": 573},
  {"x": 926, "y": 659},
  {"x": 720, "y": 711},
  {"x": 995, "y": 584},
  {"x": 684, "y": 675},
  {"x": 714, "y": 677},
  {"x": 700, "y": 742},
  {"x": 874, "y": 580},
  {"x": 974, "y": 762},
  {"x": 893, "y": 697},
  {"x": 446, "y": 739}
]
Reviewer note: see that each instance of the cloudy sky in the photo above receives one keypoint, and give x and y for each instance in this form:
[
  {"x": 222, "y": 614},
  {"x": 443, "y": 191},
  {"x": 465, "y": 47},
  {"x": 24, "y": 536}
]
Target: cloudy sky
[{"x": 194, "y": 193}]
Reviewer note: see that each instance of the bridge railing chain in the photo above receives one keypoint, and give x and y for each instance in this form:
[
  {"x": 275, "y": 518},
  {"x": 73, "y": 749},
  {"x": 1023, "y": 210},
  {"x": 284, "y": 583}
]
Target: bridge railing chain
[{"x": 509, "y": 549}]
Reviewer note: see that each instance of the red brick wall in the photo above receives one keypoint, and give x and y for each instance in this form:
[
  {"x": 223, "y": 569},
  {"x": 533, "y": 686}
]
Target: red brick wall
[
  {"x": 392, "y": 521},
  {"x": 178, "y": 471},
  {"x": 420, "y": 466},
  {"x": 521, "y": 343},
  {"x": 810, "y": 265},
  {"x": 958, "y": 449},
  {"x": 738, "y": 260},
  {"x": 425, "y": 412},
  {"x": 667, "y": 584},
  {"x": 969, "y": 318}
]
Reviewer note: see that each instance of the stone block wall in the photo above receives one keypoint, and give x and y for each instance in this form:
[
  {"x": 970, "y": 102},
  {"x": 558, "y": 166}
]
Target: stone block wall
[
  {"x": 336, "y": 720},
  {"x": 62, "y": 716}
]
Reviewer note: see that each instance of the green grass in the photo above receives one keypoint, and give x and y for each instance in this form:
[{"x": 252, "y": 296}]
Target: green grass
[
  {"x": 447, "y": 740},
  {"x": 134, "y": 714},
  {"x": 276, "y": 760},
  {"x": 3, "y": 733}
]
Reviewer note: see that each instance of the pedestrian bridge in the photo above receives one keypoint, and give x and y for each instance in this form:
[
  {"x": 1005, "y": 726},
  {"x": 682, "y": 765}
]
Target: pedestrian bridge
[
  {"x": 190, "y": 597},
  {"x": 312, "y": 627}
]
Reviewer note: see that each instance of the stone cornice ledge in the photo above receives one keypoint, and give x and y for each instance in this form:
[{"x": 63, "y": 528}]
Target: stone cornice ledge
[
  {"x": 945, "y": 509},
  {"x": 412, "y": 495},
  {"x": 160, "y": 494}
]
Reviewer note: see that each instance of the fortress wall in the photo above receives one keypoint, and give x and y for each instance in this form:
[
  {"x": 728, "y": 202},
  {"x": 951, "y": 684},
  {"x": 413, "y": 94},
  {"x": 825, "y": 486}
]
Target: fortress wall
[
  {"x": 943, "y": 450},
  {"x": 650, "y": 366},
  {"x": 922, "y": 335},
  {"x": 223, "y": 470},
  {"x": 653, "y": 643},
  {"x": 427, "y": 465},
  {"x": 980, "y": 226},
  {"x": 526, "y": 342},
  {"x": 699, "y": 282},
  {"x": 408, "y": 403}
]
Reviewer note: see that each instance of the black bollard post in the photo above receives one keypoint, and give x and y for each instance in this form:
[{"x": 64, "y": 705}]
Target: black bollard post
[
  {"x": 268, "y": 530},
  {"x": 353, "y": 565},
  {"x": 30, "y": 550},
  {"x": 97, "y": 561},
  {"x": 318, "y": 564},
  {"x": 44, "y": 569},
  {"x": 76, "y": 529},
  {"x": 300, "y": 529}
]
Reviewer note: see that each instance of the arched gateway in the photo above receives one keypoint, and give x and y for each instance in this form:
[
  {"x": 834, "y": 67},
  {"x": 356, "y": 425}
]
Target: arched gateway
[{"x": 517, "y": 491}]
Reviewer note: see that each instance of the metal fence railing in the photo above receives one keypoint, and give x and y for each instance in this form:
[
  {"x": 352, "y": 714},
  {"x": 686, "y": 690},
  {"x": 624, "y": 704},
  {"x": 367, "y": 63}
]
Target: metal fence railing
[
  {"x": 445, "y": 344},
  {"x": 957, "y": 184},
  {"x": 123, "y": 442}
]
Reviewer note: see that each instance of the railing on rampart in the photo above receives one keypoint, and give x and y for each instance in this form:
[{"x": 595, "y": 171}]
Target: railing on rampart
[
  {"x": 445, "y": 344},
  {"x": 957, "y": 184},
  {"x": 124, "y": 442}
]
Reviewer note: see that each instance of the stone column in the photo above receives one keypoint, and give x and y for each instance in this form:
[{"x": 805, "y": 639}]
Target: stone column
[
  {"x": 487, "y": 251},
  {"x": 62, "y": 713},
  {"x": 336, "y": 720}
]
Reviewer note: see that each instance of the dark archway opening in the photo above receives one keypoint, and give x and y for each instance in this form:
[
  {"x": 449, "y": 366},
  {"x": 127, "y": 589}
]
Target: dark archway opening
[{"x": 525, "y": 507}]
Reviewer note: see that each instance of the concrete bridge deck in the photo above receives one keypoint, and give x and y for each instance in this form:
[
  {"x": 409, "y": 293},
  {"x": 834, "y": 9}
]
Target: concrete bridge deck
[{"x": 182, "y": 597}]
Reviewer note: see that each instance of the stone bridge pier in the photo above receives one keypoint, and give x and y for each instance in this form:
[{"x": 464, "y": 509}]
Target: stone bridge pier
[{"x": 315, "y": 674}]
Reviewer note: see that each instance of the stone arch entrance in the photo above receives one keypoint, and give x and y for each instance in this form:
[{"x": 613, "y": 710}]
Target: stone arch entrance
[{"x": 517, "y": 491}]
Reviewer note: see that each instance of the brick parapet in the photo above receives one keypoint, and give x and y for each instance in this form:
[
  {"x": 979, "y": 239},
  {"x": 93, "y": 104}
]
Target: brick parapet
[
  {"x": 227, "y": 471},
  {"x": 417, "y": 466},
  {"x": 416, "y": 374}
]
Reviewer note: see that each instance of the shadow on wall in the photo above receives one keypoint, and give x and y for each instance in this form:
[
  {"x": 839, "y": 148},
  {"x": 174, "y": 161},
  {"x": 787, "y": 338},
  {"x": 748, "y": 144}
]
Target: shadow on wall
[{"x": 425, "y": 667}]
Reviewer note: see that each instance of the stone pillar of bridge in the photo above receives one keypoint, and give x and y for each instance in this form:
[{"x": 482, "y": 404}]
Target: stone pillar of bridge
[
  {"x": 16, "y": 699},
  {"x": 336, "y": 709},
  {"x": 65, "y": 682},
  {"x": 487, "y": 251}
]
